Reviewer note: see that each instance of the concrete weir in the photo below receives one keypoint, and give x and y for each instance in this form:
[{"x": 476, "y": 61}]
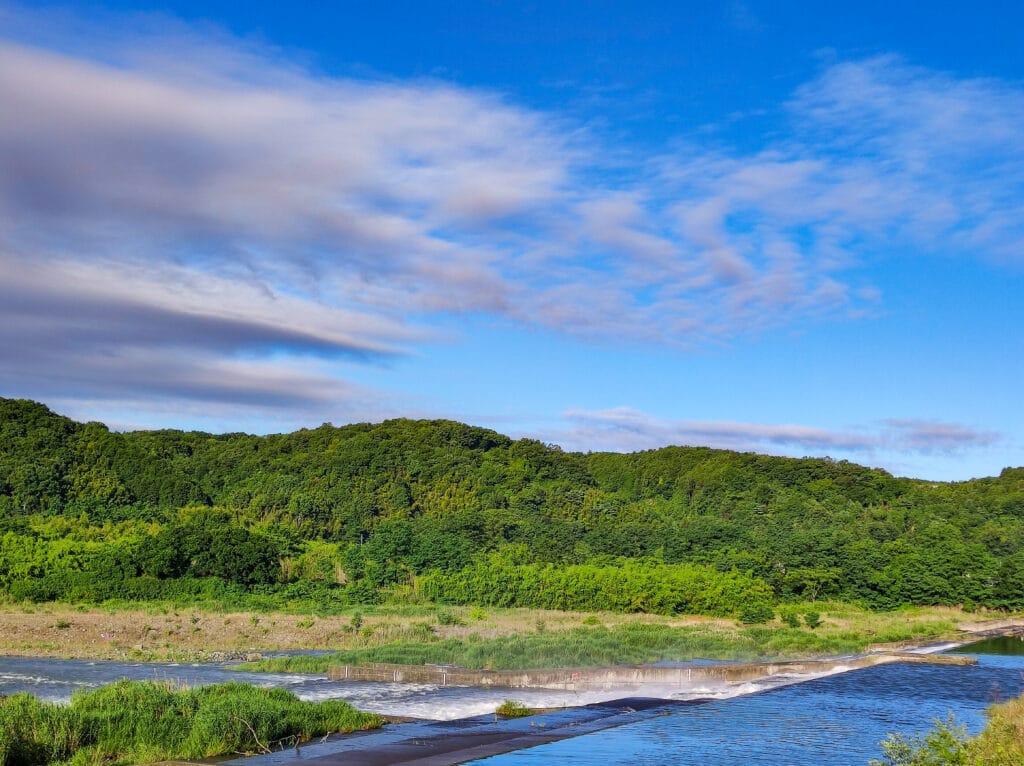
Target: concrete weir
[{"x": 590, "y": 679}]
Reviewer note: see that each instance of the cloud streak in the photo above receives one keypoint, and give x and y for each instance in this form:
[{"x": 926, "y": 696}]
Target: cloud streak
[
  {"x": 195, "y": 199},
  {"x": 624, "y": 429}
]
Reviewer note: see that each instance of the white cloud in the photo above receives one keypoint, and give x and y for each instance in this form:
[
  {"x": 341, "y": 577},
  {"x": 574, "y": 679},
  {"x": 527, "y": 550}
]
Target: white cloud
[{"x": 192, "y": 192}]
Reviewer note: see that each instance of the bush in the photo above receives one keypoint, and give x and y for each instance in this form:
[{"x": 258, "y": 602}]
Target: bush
[
  {"x": 791, "y": 618},
  {"x": 944, "y": 745},
  {"x": 756, "y": 613},
  {"x": 813, "y": 619},
  {"x": 513, "y": 709},
  {"x": 444, "y": 617}
]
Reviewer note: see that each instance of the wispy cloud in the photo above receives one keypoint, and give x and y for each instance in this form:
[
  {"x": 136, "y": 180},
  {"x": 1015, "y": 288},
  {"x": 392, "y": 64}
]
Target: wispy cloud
[
  {"x": 189, "y": 192},
  {"x": 928, "y": 436},
  {"x": 624, "y": 429}
]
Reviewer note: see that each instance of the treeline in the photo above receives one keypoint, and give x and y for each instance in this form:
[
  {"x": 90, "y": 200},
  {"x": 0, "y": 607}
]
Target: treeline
[
  {"x": 409, "y": 509},
  {"x": 631, "y": 586}
]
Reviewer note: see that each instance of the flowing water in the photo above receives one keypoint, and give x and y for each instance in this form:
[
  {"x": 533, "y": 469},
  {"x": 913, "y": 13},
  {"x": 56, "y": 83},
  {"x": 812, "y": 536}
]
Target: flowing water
[
  {"x": 836, "y": 720},
  {"x": 55, "y": 680}
]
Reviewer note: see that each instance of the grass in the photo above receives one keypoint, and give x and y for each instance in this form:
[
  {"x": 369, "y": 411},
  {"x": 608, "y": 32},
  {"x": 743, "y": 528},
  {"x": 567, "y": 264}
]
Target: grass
[
  {"x": 466, "y": 635},
  {"x": 844, "y": 629},
  {"x": 137, "y": 722},
  {"x": 1002, "y": 741},
  {"x": 630, "y": 643}
]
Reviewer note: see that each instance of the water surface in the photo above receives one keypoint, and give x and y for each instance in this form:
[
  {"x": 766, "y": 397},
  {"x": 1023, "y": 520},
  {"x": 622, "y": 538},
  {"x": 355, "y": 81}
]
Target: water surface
[
  {"x": 830, "y": 721},
  {"x": 834, "y": 721}
]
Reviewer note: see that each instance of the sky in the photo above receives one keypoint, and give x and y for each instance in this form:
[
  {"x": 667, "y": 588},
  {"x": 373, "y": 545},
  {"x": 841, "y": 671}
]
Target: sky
[{"x": 778, "y": 227}]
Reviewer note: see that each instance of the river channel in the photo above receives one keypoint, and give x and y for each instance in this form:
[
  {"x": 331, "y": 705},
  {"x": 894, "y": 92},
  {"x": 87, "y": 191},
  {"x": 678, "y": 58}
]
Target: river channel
[{"x": 836, "y": 720}]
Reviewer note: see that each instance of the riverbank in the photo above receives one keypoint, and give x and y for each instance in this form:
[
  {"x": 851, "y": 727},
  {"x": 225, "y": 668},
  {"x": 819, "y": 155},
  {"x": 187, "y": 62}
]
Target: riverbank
[{"x": 167, "y": 632}]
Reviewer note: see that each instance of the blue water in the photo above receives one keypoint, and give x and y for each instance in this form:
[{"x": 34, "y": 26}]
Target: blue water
[{"x": 834, "y": 721}]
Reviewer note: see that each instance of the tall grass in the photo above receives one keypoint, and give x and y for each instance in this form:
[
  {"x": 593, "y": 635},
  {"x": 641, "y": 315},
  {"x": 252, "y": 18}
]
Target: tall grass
[
  {"x": 631, "y": 643},
  {"x": 138, "y": 721}
]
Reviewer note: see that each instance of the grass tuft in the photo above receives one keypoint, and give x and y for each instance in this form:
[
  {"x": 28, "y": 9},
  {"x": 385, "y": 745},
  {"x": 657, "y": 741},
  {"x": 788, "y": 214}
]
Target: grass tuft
[
  {"x": 138, "y": 721},
  {"x": 512, "y": 709}
]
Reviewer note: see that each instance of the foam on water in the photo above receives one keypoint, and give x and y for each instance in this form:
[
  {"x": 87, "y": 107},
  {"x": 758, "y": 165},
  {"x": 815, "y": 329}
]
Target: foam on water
[
  {"x": 55, "y": 680},
  {"x": 935, "y": 648}
]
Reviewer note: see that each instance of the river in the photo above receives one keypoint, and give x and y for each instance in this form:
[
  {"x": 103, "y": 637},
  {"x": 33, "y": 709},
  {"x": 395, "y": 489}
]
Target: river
[{"x": 830, "y": 721}]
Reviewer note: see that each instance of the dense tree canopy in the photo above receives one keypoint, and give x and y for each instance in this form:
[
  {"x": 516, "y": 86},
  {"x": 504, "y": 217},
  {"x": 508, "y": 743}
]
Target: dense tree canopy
[{"x": 438, "y": 508}]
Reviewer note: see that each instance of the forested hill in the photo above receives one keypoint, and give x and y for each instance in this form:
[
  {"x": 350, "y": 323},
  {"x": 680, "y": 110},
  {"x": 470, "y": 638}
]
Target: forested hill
[{"x": 374, "y": 511}]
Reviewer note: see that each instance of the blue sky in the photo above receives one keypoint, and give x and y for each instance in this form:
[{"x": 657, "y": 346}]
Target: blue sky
[{"x": 758, "y": 226}]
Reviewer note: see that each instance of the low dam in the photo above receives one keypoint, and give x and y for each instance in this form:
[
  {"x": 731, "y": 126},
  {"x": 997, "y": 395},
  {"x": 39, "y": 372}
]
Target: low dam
[{"x": 590, "y": 679}]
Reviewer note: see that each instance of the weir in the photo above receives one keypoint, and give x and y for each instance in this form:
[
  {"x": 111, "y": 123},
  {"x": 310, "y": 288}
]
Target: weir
[{"x": 591, "y": 679}]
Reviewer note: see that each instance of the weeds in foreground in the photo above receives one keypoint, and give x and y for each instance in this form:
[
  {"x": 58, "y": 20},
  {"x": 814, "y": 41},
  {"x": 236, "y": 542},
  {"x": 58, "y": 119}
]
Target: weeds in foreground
[{"x": 137, "y": 721}]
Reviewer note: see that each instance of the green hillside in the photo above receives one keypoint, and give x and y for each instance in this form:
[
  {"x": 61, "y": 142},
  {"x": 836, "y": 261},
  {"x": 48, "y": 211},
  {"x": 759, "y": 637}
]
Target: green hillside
[{"x": 406, "y": 510}]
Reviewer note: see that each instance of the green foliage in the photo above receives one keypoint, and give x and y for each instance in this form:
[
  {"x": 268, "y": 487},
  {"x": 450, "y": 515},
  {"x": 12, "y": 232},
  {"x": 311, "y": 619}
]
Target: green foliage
[
  {"x": 812, "y": 619},
  {"x": 1001, "y": 743},
  {"x": 365, "y": 514},
  {"x": 756, "y": 612},
  {"x": 137, "y": 722},
  {"x": 945, "y": 745},
  {"x": 512, "y": 709},
  {"x": 445, "y": 617},
  {"x": 628, "y": 586}
]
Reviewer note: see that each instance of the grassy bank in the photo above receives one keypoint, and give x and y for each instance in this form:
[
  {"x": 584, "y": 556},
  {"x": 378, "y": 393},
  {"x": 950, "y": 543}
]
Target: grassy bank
[
  {"x": 466, "y": 635},
  {"x": 631, "y": 643},
  {"x": 137, "y": 722},
  {"x": 581, "y": 647}
]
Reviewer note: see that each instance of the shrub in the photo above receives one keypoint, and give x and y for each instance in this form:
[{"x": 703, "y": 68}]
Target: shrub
[
  {"x": 513, "y": 709},
  {"x": 756, "y": 613},
  {"x": 791, "y": 618}
]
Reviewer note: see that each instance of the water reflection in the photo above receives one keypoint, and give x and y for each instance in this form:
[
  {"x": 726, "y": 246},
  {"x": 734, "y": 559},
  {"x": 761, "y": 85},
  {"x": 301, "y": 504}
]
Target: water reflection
[{"x": 1012, "y": 646}]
